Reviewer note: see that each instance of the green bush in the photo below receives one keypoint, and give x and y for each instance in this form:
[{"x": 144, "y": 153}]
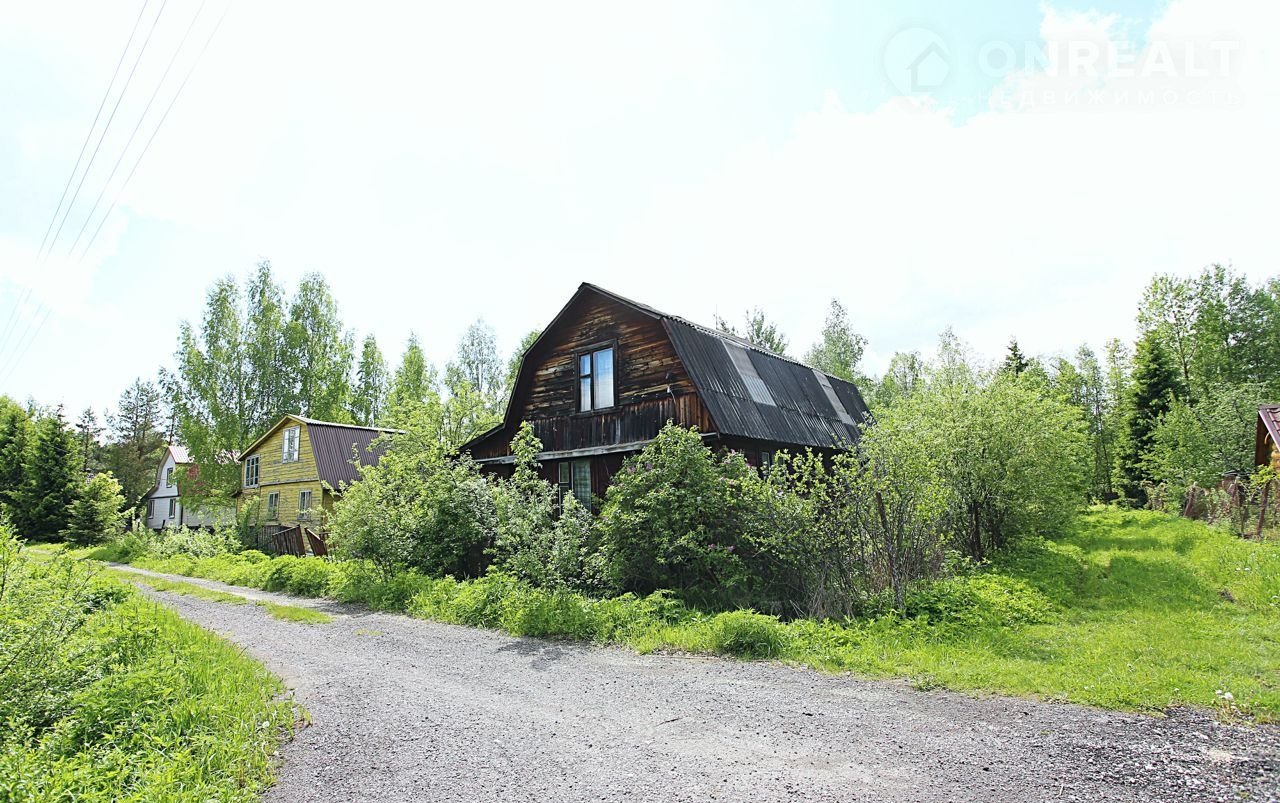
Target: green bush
[
  {"x": 749, "y": 634},
  {"x": 979, "y": 599},
  {"x": 419, "y": 507},
  {"x": 677, "y": 516}
]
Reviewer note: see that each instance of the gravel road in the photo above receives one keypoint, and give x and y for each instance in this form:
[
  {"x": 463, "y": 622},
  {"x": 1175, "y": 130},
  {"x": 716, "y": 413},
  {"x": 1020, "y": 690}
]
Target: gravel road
[{"x": 406, "y": 710}]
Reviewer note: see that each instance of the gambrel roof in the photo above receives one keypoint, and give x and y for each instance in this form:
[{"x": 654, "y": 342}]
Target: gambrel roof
[{"x": 751, "y": 392}]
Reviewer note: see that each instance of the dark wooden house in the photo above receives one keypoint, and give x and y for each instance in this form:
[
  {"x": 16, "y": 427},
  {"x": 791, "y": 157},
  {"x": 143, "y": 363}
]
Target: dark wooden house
[{"x": 607, "y": 373}]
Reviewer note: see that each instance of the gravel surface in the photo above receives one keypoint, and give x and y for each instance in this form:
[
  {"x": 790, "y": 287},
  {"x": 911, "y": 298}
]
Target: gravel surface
[{"x": 406, "y": 710}]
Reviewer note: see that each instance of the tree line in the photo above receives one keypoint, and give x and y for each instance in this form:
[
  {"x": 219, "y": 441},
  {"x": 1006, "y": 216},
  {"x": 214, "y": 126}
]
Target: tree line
[{"x": 1173, "y": 410}]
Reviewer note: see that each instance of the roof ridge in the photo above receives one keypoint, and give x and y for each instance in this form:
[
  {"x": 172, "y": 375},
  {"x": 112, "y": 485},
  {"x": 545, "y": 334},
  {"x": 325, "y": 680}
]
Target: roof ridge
[{"x": 309, "y": 421}]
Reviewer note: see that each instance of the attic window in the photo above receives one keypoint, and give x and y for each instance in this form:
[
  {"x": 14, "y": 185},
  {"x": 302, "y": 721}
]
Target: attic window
[
  {"x": 595, "y": 379},
  {"x": 291, "y": 438},
  {"x": 750, "y": 377}
]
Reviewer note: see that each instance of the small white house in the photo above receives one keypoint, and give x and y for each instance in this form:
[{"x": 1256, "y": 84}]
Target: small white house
[{"x": 164, "y": 506}]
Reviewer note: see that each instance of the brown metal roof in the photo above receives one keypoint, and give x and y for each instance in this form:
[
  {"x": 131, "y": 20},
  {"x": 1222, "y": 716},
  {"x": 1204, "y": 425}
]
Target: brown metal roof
[
  {"x": 337, "y": 448},
  {"x": 1268, "y": 424}
]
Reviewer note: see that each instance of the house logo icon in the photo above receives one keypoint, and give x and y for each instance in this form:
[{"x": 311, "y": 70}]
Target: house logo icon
[{"x": 916, "y": 61}]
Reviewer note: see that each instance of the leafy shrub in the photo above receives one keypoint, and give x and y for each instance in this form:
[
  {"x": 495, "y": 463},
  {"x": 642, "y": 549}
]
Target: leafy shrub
[
  {"x": 418, "y": 508},
  {"x": 980, "y": 600},
  {"x": 309, "y": 577},
  {"x": 749, "y": 634},
  {"x": 679, "y": 517},
  {"x": 197, "y": 543},
  {"x": 537, "y": 539}
]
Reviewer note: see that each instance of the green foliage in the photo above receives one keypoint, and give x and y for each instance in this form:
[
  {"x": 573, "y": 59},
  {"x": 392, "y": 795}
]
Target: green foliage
[
  {"x": 748, "y": 634},
  {"x": 50, "y": 481},
  {"x": 417, "y": 508},
  {"x": 758, "y": 331},
  {"x": 979, "y": 600},
  {"x": 839, "y": 352},
  {"x": 1156, "y": 386},
  {"x": 15, "y": 434},
  {"x": 318, "y": 352},
  {"x": 136, "y": 442},
  {"x": 95, "y": 515},
  {"x": 369, "y": 396},
  {"x": 677, "y": 516},
  {"x": 1197, "y": 442},
  {"x": 536, "y": 540},
  {"x": 106, "y": 696},
  {"x": 1013, "y": 456}
]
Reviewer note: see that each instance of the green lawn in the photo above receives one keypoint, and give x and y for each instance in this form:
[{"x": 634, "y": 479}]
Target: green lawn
[{"x": 1147, "y": 611}]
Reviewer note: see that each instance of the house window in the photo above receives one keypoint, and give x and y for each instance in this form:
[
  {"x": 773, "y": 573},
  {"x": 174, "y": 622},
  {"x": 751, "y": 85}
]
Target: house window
[
  {"x": 273, "y": 506},
  {"x": 173, "y": 508},
  {"x": 766, "y": 460},
  {"x": 151, "y": 508},
  {"x": 304, "y": 505},
  {"x": 251, "y": 472},
  {"x": 595, "y": 380},
  {"x": 291, "y": 438},
  {"x": 168, "y": 478},
  {"x": 582, "y": 482}
]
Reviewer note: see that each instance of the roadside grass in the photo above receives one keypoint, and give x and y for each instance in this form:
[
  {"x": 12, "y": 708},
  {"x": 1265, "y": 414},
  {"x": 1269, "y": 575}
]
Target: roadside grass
[
  {"x": 289, "y": 613},
  {"x": 108, "y": 696},
  {"x": 1131, "y": 610}
]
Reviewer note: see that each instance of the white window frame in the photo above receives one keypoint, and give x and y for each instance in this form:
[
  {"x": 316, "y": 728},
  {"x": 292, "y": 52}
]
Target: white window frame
[
  {"x": 151, "y": 508},
  {"x": 304, "y": 505},
  {"x": 273, "y": 506},
  {"x": 295, "y": 434},
  {"x": 251, "y": 468},
  {"x": 173, "y": 507},
  {"x": 168, "y": 477}
]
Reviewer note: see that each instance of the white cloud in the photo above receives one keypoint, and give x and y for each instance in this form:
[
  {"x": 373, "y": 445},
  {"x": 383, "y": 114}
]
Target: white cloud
[{"x": 1036, "y": 220}]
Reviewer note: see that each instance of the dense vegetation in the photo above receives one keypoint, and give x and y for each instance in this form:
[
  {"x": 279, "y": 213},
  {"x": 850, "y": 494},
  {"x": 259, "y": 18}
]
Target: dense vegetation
[
  {"x": 1134, "y": 610},
  {"x": 106, "y": 696}
]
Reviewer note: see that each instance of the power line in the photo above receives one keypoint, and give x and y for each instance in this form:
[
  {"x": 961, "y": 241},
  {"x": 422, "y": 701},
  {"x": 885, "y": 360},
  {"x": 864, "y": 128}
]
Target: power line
[
  {"x": 25, "y": 343},
  {"x": 147, "y": 146},
  {"x": 79, "y": 158},
  {"x": 111, "y": 117},
  {"x": 124, "y": 151}
]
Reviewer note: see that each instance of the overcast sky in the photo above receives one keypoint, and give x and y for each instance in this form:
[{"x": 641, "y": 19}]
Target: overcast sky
[{"x": 1006, "y": 169}]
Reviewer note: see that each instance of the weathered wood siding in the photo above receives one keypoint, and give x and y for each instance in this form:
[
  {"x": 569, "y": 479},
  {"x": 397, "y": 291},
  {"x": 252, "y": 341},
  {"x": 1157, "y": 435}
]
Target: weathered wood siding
[
  {"x": 287, "y": 479},
  {"x": 651, "y": 385}
]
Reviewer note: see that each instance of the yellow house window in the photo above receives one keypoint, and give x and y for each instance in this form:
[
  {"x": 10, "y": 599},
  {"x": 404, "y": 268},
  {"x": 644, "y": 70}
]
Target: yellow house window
[
  {"x": 304, "y": 505},
  {"x": 292, "y": 436},
  {"x": 251, "y": 471},
  {"x": 273, "y": 506}
]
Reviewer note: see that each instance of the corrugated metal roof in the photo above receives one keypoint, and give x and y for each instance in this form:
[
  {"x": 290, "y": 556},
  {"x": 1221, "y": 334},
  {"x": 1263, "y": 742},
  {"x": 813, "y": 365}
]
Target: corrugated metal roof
[
  {"x": 802, "y": 412},
  {"x": 333, "y": 445}
]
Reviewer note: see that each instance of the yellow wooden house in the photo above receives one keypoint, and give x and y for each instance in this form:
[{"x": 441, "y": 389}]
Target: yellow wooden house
[
  {"x": 293, "y": 473},
  {"x": 1267, "y": 452}
]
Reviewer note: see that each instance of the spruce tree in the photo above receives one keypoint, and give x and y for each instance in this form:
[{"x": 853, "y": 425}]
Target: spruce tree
[
  {"x": 1155, "y": 384},
  {"x": 15, "y": 434},
  {"x": 95, "y": 515},
  {"x": 1015, "y": 362},
  {"x": 51, "y": 482}
]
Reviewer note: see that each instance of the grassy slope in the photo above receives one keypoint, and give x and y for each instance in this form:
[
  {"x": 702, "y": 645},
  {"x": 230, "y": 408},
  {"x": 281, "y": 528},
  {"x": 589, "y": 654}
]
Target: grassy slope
[
  {"x": 175, "y": 714},
  {"x": 1151, "y": 611}
]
